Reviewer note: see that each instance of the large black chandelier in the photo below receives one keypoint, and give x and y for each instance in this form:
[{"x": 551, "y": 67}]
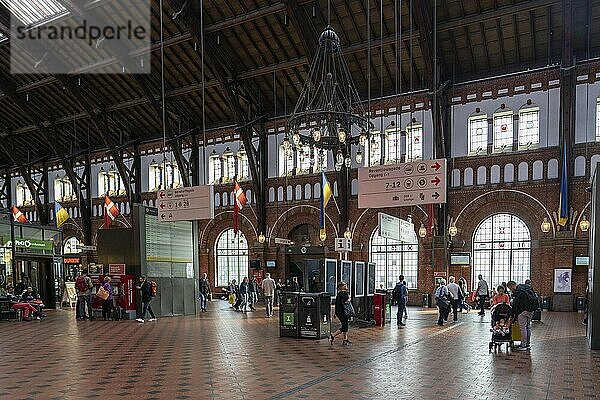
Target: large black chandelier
[{"x": 329, "y": 114}]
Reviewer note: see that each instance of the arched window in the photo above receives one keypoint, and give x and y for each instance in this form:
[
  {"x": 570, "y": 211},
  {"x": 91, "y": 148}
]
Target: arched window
[
  {"x": 414, "y": 142},
  {"x": 503, "y": 130},
  {"x": 502, "y": 250},
  {"x": 393, "y": 258},
  {"x": 231, "y": 256},
  {"x": 72, "y": 246},
  {"x": 478, "y": 134}
]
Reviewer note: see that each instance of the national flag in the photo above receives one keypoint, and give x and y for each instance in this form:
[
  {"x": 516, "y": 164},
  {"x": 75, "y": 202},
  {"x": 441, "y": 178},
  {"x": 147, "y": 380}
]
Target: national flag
[
  {"x": 18, "y": 216},
  {"x": 563, "y": 204},
  {"x": 239, "y": 203},
  {"x": 60, "y": 214},
  {"x": 111, "y": 211},
  {"x": 326, "y": 194}
]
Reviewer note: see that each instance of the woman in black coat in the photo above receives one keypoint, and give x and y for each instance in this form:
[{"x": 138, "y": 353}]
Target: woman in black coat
[{"x": 342, "y": 298}]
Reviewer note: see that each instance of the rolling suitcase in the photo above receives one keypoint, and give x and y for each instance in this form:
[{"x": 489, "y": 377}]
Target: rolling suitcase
[
  {"x": 117, "y": 313},
  {"x": 537, "y": 315}
]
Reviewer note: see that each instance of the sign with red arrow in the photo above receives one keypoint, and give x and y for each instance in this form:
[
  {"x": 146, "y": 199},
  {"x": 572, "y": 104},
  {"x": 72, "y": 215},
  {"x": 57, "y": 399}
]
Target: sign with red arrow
[{"x": 406, "y": 184}]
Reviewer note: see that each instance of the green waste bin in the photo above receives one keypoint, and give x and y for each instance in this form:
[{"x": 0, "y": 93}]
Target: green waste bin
[{"x": 288, "y": 314}]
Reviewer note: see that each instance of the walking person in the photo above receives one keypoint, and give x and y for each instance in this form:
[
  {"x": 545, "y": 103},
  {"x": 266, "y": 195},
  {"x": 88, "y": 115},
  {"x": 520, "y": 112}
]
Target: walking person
[
  {"x": 456, "y": 298},
  {"x": 462, "y": 282},
  {"x": 252, "y": 293},
  {"x": 524, "y": 303},
  {"x": 108, "y": 302},
  {"x": 145, "y": 287},
  {"x": 280, "y": 288},
  {"x": 342, "y": 299},
  {"x": 204, "y": 292},
  {"x": 268, "y": 287},
  {"x": 400, "y": 294},
  {"x": 294, "y": 285},
  {"x": 483, "y": 292},
  {"x": 443, "y": 302},
  {"x": 244, "y": 290},
  {"x": 83, "y": 288}
]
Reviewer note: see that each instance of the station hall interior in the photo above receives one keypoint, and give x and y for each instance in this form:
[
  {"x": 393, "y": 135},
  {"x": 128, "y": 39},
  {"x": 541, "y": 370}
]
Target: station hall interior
[{"x": 292, "y": 199}]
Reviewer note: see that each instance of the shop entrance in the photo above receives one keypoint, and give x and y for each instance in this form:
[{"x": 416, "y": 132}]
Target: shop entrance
[{"x": 39, "y": 274}]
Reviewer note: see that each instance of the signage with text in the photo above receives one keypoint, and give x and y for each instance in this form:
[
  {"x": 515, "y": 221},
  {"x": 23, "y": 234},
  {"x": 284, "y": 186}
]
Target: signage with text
[
  {"x": 33, "y": 244},
  {"x": 186, "y": 204},
  {"x": 116, "y": 269},
  {"x": 394, "y": 228},
  {"x": 407, "y": 184}
]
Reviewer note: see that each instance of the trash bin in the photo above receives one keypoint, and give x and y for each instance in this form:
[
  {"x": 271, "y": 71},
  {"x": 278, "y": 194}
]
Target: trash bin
[
  {"x": 426, "y": 300},
  {"x": 580, "y": 302},
  {"x": 314, "y": 315},
  {"x": 288, "y": 314},
  {"x": 379, "y": 306}
]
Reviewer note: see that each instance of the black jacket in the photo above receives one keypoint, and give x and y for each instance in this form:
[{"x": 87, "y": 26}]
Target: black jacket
[
  {"x": 520, "y": 301},
  {"x": 146, "y": 289},
  {"x": 28, "y": 296},
  {"x": 204, "y": 286},
  {"x": 244, "y": 288}
]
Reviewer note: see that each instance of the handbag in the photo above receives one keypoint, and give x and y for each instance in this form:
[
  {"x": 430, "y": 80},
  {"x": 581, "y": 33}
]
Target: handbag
[
  {"x": 102, "y": 293},
  {"x": 349, "y": 310},
  {"x": 231, "y": 299}
]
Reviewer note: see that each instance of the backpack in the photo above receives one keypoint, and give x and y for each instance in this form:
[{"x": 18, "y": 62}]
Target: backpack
[
  {"x": 530, "y": 300},
  {"x": 80, "y": 284},
  {"x": 153, "y": 288}
]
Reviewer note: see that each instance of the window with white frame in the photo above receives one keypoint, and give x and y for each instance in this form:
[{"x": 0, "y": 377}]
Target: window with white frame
[
  {"x": 63, "y": 190},
  {"x": 229, "y": 162},
  {"x": 214, "y": 169},
  {"x": 24, "y": 197},
  {"x": 393, "y": 146},
  {"x": 478, "y": 134},
  {"x": 164, "y": 176},
  {"x": 72, "y": 246},
  {"x": 109, "y": 182},
  {"x": 392, "y": 259},
  {"x": 375, "y": 148},
  {"x": 243, "y": 171},
  {"x": 503, "y": 131},
  {"x": 286, "y": 161},
  {"x": 414, "y": 142},
  {"x": 502, "y": 250},
  {"x": 231, "y": 257},
  {"x": 529, "y": 127}
]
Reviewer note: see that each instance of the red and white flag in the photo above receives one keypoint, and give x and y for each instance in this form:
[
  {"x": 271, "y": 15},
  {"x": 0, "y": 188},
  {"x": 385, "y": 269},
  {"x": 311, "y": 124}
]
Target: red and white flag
[
  {"x": 239, "y": 203},
  {"x": 111, "y": 212},
  {"x": 18, "y": 216}
]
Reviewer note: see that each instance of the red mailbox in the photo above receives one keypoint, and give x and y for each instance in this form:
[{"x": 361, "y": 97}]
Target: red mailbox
[{"x": 379, "y": 306}]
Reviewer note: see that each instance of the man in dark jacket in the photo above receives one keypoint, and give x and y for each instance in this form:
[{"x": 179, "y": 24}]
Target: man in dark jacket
[
  {"x": 252, "y": 293},
  {"x": 523, "y": 305},
  {"x": 400, "y": 296},
  {"x": 204, "y": 292},
  {"x": 145, "y": 288}
]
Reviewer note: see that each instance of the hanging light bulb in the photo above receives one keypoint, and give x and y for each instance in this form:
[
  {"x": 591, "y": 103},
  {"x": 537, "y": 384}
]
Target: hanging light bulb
[
  {"x": 322, "y": 236},
  {"x": 342, "y": 135},
  {"x": 338, "y": 167},
  {"x": 359, "y": 156},
  {"x": 296, "y": 138},
  {"x": 286, "y": 144},
  {"x": 261, "y": 238},
  {"x": 422, "y": 231},
  {"x": 453, "y": 230},
  {"x": 347, "y": 234},
  {"x": 545, "y": 225},
  {"x": 339, "y": 157},
  {"x": 348, "y": 162},
  {"x": 362, "y": 139},
  {"x": 316, "y": 135},
  {"x": 584, "y": 224}
]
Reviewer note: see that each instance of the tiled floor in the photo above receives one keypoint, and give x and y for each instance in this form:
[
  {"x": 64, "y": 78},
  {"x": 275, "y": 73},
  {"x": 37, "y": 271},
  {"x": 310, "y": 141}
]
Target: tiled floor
[{"x": 227, "y": 355}]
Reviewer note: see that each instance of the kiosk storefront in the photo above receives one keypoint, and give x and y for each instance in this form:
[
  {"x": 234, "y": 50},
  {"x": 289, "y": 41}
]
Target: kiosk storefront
[{"x": 37, "y": 260}]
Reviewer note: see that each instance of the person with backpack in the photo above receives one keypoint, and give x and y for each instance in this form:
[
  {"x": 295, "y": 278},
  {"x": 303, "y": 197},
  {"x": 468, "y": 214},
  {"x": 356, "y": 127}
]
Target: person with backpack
[
  {"x": 524, "y": 303},
  {"x": 148, "y": 291},
  {"x": 442, "y": 297},
  {"x": 456, "y": 297},
  {"x": 400, "y": 294},
  {"x": 204, "y": 292},
  {"x": 83, "y": 288}
]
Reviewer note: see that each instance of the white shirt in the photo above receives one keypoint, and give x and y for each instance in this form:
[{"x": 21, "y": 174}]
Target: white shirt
[
  {"x": 268, "y": 287},
  {"x": 454, "y": 289},
  {"x": 482, "y": 287}
]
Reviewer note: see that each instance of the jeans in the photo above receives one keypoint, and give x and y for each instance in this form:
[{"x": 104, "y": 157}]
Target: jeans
[
  {"x": 147, "y": 307},
  {"x": 482, "y": 298},
  {"x": 400, "y": 313},
  {"x": 455, "y": 304},
  {"x": 82, "y": 301},
  {"x": 244, "y": 305},
  {"x": 106, "y": 309},
  {"x": 203, "y": 300},
  {"x": 269, "y": 305},
  {"x": 525, "y": 324},
  {"x": 444, "y": 310}
]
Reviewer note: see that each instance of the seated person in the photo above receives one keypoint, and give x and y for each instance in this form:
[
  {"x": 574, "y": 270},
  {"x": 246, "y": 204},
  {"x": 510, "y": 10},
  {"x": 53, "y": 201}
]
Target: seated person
[
  {"x": 501, "y": 328},
  {"x": 500, "y": 297},
  {"x": 18, "y": 304},
  {"x": 31, "y": 297}
]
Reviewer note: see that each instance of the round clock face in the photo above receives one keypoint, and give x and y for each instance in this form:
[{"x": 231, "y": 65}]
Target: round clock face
[{"x": 303, "y": 250}]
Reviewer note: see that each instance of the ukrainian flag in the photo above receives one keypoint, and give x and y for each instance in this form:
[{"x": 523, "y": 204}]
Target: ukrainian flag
[
  {"x": 563, "y": 204},
  {"x": 326, "y": 194},
  {"x": 60, "y": 214}
]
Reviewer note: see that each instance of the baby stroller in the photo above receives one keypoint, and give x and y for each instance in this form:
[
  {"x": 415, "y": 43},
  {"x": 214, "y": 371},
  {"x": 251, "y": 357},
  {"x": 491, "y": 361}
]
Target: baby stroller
[{"x": 501, "y": 333}]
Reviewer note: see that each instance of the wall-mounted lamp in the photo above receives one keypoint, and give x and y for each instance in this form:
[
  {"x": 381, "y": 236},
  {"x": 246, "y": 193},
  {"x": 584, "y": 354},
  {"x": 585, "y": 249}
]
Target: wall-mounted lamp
[
  {"x": 261, "y": 238},
  {"x": 422, "y": 231},
  {"x": 584, "y": 224},
  {"x": 545, "y": 225}
]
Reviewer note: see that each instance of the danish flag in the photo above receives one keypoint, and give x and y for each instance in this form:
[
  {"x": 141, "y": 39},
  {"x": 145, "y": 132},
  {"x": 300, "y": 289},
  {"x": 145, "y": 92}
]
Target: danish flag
[
  {"x": 240, "y": 202},
  {"x": 111, "y": 212},
  {"x": 18, "y": 216}
]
